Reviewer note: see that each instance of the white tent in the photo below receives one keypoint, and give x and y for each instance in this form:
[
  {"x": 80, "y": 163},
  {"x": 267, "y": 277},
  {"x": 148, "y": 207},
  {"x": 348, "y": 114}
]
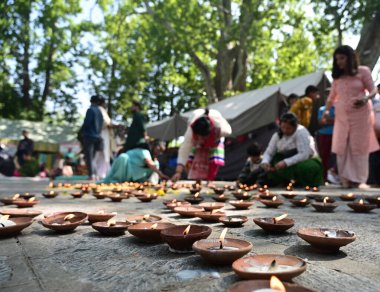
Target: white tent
[{"x": 247, "y": 111}]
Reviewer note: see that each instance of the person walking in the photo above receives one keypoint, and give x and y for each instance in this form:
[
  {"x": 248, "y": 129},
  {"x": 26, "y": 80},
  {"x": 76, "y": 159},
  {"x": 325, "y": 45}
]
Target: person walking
[
  {"x": 354, "y": 135},
  {"x": 90, "y": 131}
]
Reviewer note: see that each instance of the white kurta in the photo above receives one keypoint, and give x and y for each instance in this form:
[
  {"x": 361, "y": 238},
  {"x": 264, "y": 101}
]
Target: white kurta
[{"x": 103, "y": 158}]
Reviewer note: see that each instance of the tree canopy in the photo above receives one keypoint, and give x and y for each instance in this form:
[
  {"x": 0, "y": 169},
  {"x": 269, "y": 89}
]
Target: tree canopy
[{"x": 173, "y": 55}]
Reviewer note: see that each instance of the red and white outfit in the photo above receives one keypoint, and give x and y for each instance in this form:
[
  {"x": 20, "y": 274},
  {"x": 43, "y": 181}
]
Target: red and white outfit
[{"x": 200, "y": 154}]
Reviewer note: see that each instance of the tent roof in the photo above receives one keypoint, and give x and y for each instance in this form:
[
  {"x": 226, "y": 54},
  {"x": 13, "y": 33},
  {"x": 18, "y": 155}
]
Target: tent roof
[
  {"x": 250, "y": 110},
  {"x": 38, "y": 131}
]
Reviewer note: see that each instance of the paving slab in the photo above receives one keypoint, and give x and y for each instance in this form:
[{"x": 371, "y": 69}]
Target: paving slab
[{"x": 38, "y": 259}]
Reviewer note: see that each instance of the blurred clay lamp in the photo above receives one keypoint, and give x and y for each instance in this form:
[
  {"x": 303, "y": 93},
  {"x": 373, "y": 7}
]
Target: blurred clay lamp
[
  {"x": 263, "y": 189},
  {"x": 194, "y": 199},
  {"x": 241, "y": 204},
  {"x": 361, "y": 207},
  {"x": 348, "y": 197},
  {"x": 274, "y": 203},
  {"x": 315, "y": 189},
  {"x": 266, "y": 195},
  {"x": 325, "y": 206},
  {"x": 276, "y": 224},
  {"x": 4, "y": 222},
  {"x": 300, "y": 202},
  {"x": 289, "y": 195},
  {"x": 220, "y": 198},
  {"x": 233, "y": 221},
  {"x": 307, "y": 188},
  {"x": 210, "y": 216},
  {"x": 50, "y": 195},
  {"x": 223, "y": 251},
  {"x": 111, "y": 227}
]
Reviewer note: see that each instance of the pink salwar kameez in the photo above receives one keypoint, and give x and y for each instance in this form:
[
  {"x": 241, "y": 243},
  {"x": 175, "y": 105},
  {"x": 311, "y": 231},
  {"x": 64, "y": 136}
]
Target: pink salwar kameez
[{"x": 354, "y": 135}]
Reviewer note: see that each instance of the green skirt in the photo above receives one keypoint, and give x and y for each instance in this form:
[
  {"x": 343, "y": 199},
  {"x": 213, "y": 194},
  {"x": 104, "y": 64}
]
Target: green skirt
[{"x": 304, "y": 173}]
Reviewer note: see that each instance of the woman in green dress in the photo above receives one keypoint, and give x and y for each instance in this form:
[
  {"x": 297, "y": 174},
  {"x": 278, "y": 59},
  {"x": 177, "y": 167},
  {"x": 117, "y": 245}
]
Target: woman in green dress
[
  {"x": 291, "y": 155},
  {"x": 135, "y": 165}
]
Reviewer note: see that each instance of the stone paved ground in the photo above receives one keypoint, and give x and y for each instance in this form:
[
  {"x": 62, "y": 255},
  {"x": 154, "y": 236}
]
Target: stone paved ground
[{"x": 40, "y": 260}]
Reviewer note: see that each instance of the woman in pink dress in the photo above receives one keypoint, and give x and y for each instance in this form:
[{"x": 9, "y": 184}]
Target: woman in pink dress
[{"x": 354, "y": 136}]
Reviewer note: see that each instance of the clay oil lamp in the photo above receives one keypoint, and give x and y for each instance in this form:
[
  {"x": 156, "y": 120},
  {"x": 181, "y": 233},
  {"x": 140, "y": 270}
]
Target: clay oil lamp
[
  {"x": 111, "y": 227},
  {"x": 117, "y": 197},
  {"x": 264, "y": 266},
  {"x": 50, "y": 194},
  {"x": 303, "y": 202},
  {"x": 171, "y": 206},
  {"x": 211, "y": 206},
  {"x": 9, "y": 201},
  {"x": 51, "y": 185},
  {"x": 149, "y": 232},
  {"x": 273, "y": 285},
  {"x": 307, "y": 188},
  {"x": 210, "y": 216},
  {"x": 14, "y": 213},
  {"x": 373, "y": 200},
  {"x": 242, "y": 195},
  {"x": 78, "y": 186},
  {"x": 147, "y": 198},
  {"x": 325, "y": 199},
  {"x": 194, "y": 199},
  {"x": 233, "y": 221},
  {"x": 289, "y": 187},
  {"x": 180, "y": 238},
  {"x": 134, "y": 219},
  {"x": 326, "y": 240},
  {"x": 220, "y": 198},
  {"x": 77, "y": 195},
  {"x": 263, "y": 189},
  {"x": 231, "y": 188},
  {"x": 277, "y": 224},
  {"x": 99, "y": 195},
  {"x": 289, "y": 195},
  {"x": 27, "y": 196},
  {"x": 324, "y": 206},
  {"x": 26, "y": 203},
  {"x": 195, "y": 189},
  {"x": 266, "y": 195},
  {"x": 100, "y": 216},
  {"x": 361, "y": 207},
  {"x": 64, "y": 222},
  {"x": 85, "y": 190},
  {"x": 314, "y": 197},
  {"x": 188, "y": 211},
  {"x": 315, "y": 189},
  {"x": 241, "y": 204},
  {"x": 117, "y": 190},
  {"x": 223, "y": 251},
  {"x": 13, "y": 226},
  {"x": 348, "y": 197},
  {"x": 138, "y": 193},
  {"x": 273, "y": 203},
  {"x": 219, "y": 191}
]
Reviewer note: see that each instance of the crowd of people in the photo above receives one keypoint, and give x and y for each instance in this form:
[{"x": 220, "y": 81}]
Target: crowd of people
[{"x": 344, "y": 150}]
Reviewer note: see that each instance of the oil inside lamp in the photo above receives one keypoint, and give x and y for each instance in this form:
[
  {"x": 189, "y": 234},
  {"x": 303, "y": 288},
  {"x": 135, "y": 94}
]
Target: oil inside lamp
[
  {"x": 101, "y": 212},
  {"x": 279, "y": 218},
  {"x": 215, "y": 211},
  {"x": 186, "y": 231}
]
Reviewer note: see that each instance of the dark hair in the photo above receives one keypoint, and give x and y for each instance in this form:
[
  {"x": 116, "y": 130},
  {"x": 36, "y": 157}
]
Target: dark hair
[
  {"x": 292, "y": 96},
  {"x": 137, "y": 103},
  {"x": 378, "y": 85},
  {"x": 290, "y": 119},
  {"x": 352, "y": 62},
  {"x": 95, "y": 98},
  {"x": 202, "y": 125},
  {"x": 311, "y": 89},
  {"x": 254, "y": 149}
]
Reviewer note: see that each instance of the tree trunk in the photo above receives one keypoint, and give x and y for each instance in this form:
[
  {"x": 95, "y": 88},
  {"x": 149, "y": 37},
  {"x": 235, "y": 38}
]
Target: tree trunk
[
  {"x": 25, "y": 62},
  {"x": 111, "y": 88},
  {"x": 223, "y": 71},
  {"x": 49, "y": 66},
  {"x": 369, "y": 44}
]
